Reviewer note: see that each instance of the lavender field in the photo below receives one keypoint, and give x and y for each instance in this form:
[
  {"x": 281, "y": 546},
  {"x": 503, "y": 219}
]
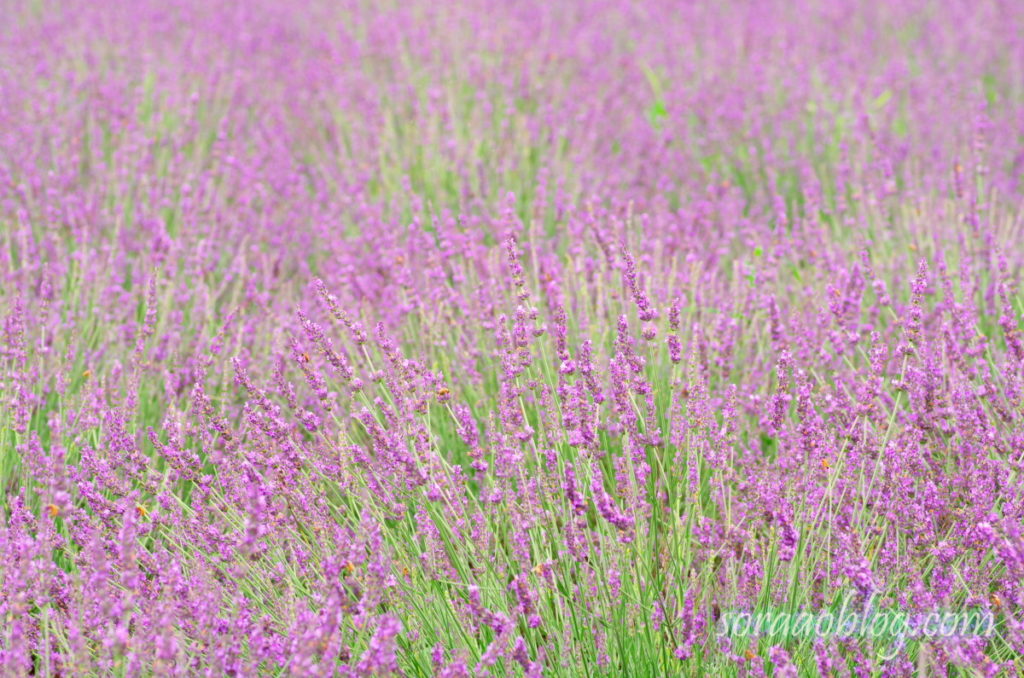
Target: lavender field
[{"x": 471, "y": 338}]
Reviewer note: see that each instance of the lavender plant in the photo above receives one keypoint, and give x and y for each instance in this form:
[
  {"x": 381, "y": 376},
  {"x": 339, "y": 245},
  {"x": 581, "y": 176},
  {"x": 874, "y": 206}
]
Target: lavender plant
[{"x": 484, "y": 338}]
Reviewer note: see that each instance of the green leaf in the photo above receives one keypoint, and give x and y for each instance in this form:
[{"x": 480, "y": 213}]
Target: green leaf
[
  {"x": 881, "y": 100},
  {"x": 656, "y": 113}
]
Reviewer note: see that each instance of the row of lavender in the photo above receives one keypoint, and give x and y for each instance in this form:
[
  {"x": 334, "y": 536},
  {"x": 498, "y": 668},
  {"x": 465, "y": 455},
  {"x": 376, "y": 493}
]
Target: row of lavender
[{"x": 375, "y": 338}]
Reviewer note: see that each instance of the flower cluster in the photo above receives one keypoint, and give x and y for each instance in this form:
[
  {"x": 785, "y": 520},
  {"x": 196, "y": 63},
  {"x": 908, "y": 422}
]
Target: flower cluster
[{"x": 376, "y": 338}]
